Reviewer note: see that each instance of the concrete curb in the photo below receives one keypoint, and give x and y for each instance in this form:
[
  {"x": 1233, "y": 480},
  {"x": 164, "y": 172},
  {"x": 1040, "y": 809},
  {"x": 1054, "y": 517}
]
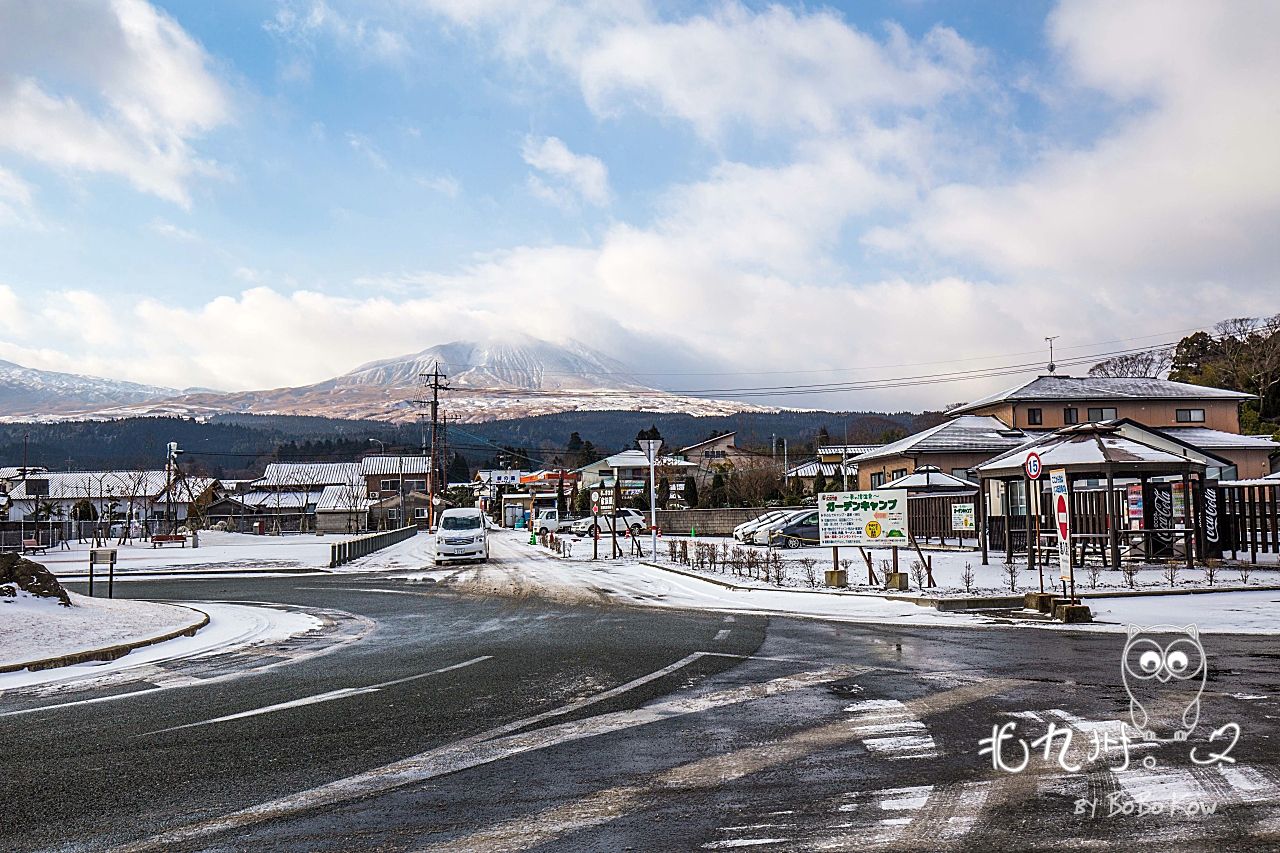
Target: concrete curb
[
  {"x": 1142, "y": 593},
  {"x": 196, "y": 573},
  {"x": 988, "y": 602},
  {"x": 109, "y": 653}
]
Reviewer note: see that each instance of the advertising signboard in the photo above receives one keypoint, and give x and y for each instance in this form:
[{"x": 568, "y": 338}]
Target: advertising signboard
[
  {"x": 875, "y": 518},
  {"x": 962, "y": 518}
]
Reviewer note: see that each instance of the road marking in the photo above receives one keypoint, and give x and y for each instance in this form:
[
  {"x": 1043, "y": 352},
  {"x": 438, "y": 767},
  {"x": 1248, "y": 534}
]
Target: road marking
[
  {"x": 607, "y": 805},
  {"x": 722, "y": 634},
  {"x": 495, "y": 745},
  {"x": 343, "y": 693}
]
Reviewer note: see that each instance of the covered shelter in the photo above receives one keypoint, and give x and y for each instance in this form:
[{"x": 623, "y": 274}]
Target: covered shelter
[
  {"x": 931, "y": 480},
  {"x": 1170, "y": 484}
]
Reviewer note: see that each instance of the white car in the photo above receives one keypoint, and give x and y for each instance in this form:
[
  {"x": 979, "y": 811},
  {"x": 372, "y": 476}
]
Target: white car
[
  {"x": 628, "y": 519},
  {"x": 743, "y": 531},
  {"x": 462, "y": 534}
]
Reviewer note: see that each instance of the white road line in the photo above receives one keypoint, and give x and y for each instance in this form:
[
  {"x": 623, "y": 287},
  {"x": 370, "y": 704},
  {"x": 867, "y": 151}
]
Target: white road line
[
  {"x": 331, "y": 695},
  {"x": 486, "y": 747},
  {"x": 722, "y": 634},
  {"x": 174, "y": 681}
]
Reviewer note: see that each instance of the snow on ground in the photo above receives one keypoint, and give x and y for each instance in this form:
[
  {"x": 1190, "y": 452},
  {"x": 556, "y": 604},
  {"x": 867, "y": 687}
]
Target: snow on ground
[
  {"x": 34, "y": 628},
  {"x": 218, "y": 550},
  {"x": 231, "y": 626},
  {"x": 531, "y": 570},
  {"x": 948, "y": 569},
  {"x": 1226, "y": 612}
]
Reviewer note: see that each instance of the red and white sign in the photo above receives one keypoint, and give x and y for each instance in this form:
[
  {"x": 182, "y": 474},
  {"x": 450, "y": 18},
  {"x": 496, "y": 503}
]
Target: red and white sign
[{"x": 1033, "y": 466}]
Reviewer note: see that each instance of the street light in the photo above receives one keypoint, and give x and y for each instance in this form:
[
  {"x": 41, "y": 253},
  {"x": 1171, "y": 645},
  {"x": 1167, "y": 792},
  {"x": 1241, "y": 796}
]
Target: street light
[{"x": 650, "y": 446}]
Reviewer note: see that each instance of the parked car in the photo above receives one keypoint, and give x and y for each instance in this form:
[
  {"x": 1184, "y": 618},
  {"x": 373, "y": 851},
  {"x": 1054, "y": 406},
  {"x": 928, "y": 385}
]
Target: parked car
[
  {"x": 743, "y": 531},
  {"x": 628, "y": 519},
  {"x": 799, "y": 531},
  {"x": 462, "y": 534},
  {"x": 763, "y": 535}
]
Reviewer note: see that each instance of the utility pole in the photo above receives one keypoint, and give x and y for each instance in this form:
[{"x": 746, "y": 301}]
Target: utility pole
[{"x": 435, "y": 381}]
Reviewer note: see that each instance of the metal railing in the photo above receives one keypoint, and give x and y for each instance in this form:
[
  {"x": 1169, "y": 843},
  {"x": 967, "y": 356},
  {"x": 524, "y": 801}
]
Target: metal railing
[{"x": 362, "y": 546}]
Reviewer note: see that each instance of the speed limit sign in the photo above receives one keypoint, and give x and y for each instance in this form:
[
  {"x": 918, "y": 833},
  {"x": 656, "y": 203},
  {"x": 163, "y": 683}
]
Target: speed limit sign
[{"x": 1033, "y": 466}]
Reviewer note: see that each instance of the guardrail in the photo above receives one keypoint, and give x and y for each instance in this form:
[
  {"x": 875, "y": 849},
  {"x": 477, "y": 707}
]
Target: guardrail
[{"x": 362, "y": 546}]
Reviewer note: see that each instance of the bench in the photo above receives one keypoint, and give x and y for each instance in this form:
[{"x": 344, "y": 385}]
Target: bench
[
  {"x": 32, "y": 546},
  {"x": 164, "y": 539}
]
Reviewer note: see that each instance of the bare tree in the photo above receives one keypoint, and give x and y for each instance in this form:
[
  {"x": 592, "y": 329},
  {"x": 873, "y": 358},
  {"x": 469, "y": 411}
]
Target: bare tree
[
  {"x": 1150, "y": 364},
  {"x": 918, "y": 573},
  {"x": 967, "y": 577},
  {"x": 1171, "y": 573},
  {"x": 753, "y": 481},
  {"x": 1211, "y": 570},
  {"x": 1011, "y": 574}
]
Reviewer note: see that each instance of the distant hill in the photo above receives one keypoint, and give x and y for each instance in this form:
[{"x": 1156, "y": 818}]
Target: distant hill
[
  {"x": 241, "y": 444},
  {"x": 25, "y": 391},
  {"x": 488, "y": 381}
]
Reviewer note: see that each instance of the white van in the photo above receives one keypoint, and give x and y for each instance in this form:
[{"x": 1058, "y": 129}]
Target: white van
[{"x": 462, "y": 534}]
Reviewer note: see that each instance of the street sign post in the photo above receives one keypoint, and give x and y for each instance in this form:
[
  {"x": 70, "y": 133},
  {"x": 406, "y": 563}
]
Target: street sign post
[
  {"x": 105, "y": 557},
  {"x": 1062, "y": 518}
]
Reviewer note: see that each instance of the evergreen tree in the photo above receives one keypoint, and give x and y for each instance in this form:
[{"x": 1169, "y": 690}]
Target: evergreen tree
[
  {"x": 459, "y": 470},
  {"x": 718, "y": 495},
  {"x": 664, "y": 492},
  {"x": 819, "y": 482},
  {"x": 690, "y": 492},
  {"x": 645, "y": 434}
]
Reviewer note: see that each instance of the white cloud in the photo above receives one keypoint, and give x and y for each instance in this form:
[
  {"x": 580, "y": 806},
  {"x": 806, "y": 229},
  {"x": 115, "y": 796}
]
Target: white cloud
[
  {"x": 366, "y": 147},
  {"x": 138, "y": 92},
  {"x": 1184, "y": 190},
  {"x": 775, "y": 70},
  {"x": 15, "y": 197},
  {"x": 301, "y": 24},
  {"x": 446, "y": 185},
  {"x": 586, "y": 175},
  {"x": 173, "y": 232}
]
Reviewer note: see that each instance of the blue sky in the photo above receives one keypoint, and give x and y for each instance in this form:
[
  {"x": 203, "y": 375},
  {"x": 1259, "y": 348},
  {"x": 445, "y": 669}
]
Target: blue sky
[{"x": 254, "y": 194}]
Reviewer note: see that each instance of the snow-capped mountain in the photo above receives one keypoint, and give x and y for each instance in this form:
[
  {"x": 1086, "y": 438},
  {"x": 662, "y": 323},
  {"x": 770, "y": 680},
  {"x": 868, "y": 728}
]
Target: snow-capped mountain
[
  {"x": 490, "y": 380},
  {"x": 528, "y": 364},
  {"x": 25, "y": 391}
]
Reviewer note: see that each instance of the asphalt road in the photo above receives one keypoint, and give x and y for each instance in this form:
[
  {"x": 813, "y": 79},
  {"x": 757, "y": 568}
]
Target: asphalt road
[{"x": 515, "y": 723}]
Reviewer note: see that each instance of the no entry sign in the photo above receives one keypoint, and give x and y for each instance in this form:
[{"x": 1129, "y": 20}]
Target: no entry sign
[
  {"x": 1062, "y": 517},
  {"x": 1033, "y": 466}
]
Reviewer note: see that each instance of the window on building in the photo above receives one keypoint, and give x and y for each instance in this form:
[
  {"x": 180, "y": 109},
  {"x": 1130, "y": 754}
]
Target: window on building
[
  {"x": 390, "y": 485},
  {"x": 1190, "y": 416},
  {"x": 1071, "y": 415},
  {"x": 900, "y": 472},
  {"x": 1102, "y": 415},
  {"x": 415, "y": 485},
  {"x": 393, "y": 514},
  {"x": 962, "y": 473},
  {"x": 1035, "y": 417},
  {"x": 420, "y": 512},
  {"x": 877, "y": 479}
]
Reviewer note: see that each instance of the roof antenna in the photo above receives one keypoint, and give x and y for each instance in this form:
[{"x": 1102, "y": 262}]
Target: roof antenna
[{"x": 1052, "y": 366}]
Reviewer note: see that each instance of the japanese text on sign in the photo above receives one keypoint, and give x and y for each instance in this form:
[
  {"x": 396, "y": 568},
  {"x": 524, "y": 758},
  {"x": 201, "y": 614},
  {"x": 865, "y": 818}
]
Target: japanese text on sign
[
  {"x": 962, "y": 518},
  {"x": 863, "y": 518}
]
